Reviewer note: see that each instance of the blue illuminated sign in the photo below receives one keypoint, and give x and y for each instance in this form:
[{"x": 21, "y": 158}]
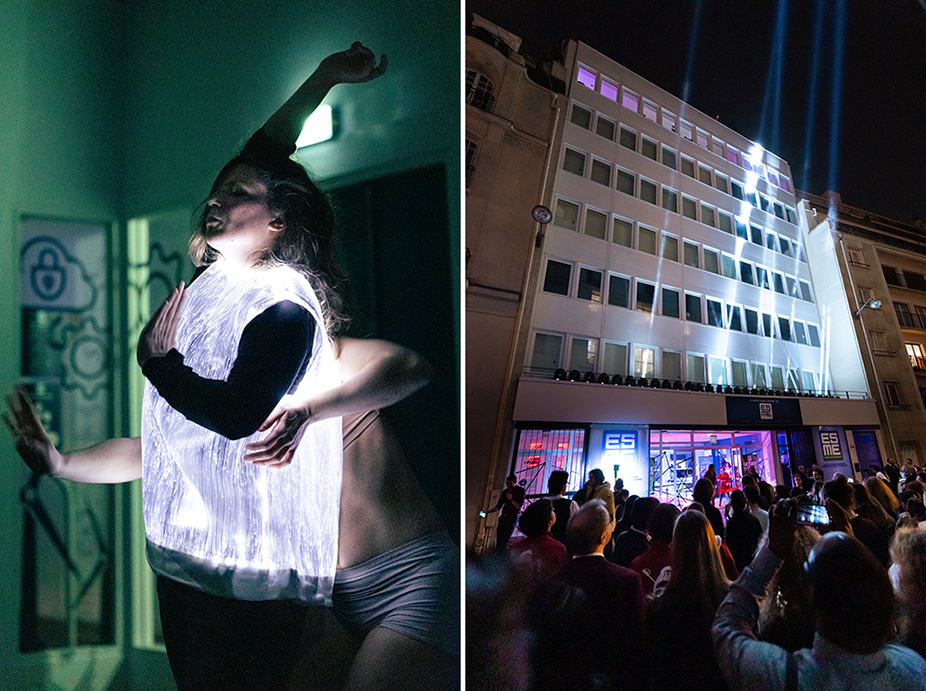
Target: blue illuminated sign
[{"x": 619, "y": 446}]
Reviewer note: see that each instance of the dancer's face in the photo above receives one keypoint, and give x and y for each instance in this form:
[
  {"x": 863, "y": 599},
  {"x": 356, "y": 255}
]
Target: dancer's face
[{"x": 239, "y": 223}]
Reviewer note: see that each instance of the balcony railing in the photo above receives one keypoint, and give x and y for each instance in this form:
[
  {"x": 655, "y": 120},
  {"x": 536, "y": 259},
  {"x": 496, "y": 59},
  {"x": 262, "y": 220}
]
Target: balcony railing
[{"x": 911, "y": 320}]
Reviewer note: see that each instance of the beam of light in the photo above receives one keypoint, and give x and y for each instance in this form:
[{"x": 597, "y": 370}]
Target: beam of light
[
  {"x": 812, "y": 90},
  {"x": 692, "y": 43},
  {"x": 319, "y": 127},
  {"x": 772, "y": 101},
  {"x": 839, "y": 35}
]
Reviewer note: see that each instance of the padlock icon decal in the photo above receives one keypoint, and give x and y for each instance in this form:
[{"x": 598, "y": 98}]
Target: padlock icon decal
[{"x": 48, "y": 276}]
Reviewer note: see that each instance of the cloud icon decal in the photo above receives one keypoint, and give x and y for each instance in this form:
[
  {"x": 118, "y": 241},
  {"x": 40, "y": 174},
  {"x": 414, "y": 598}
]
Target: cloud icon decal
[{"x": 52, "y": 279}]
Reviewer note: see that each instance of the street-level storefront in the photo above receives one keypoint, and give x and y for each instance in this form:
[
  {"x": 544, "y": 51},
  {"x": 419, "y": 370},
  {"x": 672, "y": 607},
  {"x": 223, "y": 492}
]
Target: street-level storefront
[{"x": 660, "y": 442}]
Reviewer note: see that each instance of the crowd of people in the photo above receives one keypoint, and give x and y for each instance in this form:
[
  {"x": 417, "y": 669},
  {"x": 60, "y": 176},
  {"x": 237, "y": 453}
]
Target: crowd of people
[{"x": 817, "y": 586}]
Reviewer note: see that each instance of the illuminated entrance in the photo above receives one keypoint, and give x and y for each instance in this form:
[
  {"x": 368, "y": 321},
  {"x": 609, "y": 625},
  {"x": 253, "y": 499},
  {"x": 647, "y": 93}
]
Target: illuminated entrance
[{"x": 679, "y": 458}]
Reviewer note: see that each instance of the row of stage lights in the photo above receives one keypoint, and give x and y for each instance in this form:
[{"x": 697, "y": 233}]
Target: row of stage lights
[{"x": 677, "y": 385}]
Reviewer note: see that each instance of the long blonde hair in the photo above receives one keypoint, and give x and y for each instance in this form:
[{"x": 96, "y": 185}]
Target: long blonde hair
[
  {"x": 697, "y": 572},
  {"x": 878, "y": 489},
  {"x": 908, "y": 551}
]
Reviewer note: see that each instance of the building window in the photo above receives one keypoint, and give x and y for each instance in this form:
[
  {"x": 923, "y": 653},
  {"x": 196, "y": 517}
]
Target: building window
[
  {"x": 786, "y": 186},
  {"x": 779, "y": 283},
  {"x": 800, "y": 334},
  {"x": 767, "y": 324},
  {"x": 718, "y": 371},
  {"x": 605, "y": 128},
  {"x": 707, "y": 215},
  {"x": 547, "y": 351},
  {"x": 805, "y": 291},
  {"x": 779, "y": 211},
  {"x": 567, "y": 215},
  {"x": 772, "y": 177},
  {"x": 691, "y": 255},
  {"x": 583, "y": 354},
  {"x": 648, "y": 191},
  {"x": 619, "y": 291},
  {"x": 733, "y": 155},
  {"x": 646, "y": 240},
  {"x": 670, "y": 306},
  {"x": 711, "y": 261},
  {"x": 649, "y": 149},
  {"x": 793, "y": 382},
  {"x": 790, "y": 215},
  {"x": 646, "y": 295},
  {"x": 761, "y": 277},
  {"x": 892, "y": 275},
  {"x": 586, "y": 78},
  {"x": 671, "y": 365},
  {"x": 752, "y": 321},
  {"x": 704, "y": 175},
  {"x": 574, "y": 162},
  {"x": 693, "y": 308},
  {"x": 630, "y": 101},
  {"x": 771, "y": 241},
  {"x": 628, "y": 139},
  {"x": 609, "y": 90},
  {"x": 878, "y": 346},
  {"x": 814, "y": 335},
  {"x": 670, "y": 248},
  {"x": 601, "y": 172},
  {"x": 589, "y": 285},
  {"x": 785, "y": 245},
  {"x": 644, "y": 361},
  {"x": 755, "y": 234},
  {"x": 720, "y": 182},
  {"x": 892, "y": 394},
  {"x": 726, "y": 222},
  {"x": 470, "y": 159},
  {"x": 686, "y": 132},
  {"x": 669, "y": 200},
  {"x": 734, "y": 318},
  {"x": 689, "y": 208},
  {"x": 729, "y": 266},
  {"x": 764, "y": 203},
  {"x": 810, "y": 383},
  {"x": 738, "y": 192},
  {"x": 581, "y": 117},
  {"x": 688, "y": 167},
  {"x": 695, "y": 368},
  {"x": 596, "y": 224},
  {"x": 615, "y": 358},
  {"x": 915, "y": 353},
  {"x": 759, "y": 379},
  {"x": 914, "y": 281},
  {"x": 479, "y": 90},
  {"x": 622, "y": 232},
  {"x": 738, "y": 368},
  {"x": 714, "y": 313},
  {"x": 778, "y": 379},
  {"x": 792, "y": 287},
  {"x": 741, "y": 231},
  {"x": 746, "y": 272},
  {"x": 669, "y": 121},
  {"x": 649, "y": 111},
  {"x": 625, "y": 182},
  {"x": 557, "y": 278},
  {"x": 784, "y": 328},
  {"x": 717, "y": 147},
  {"x": 668, "y": 158}
]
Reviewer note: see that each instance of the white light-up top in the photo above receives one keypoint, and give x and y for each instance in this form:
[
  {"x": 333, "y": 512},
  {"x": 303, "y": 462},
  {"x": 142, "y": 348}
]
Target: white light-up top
[{"x": 214, "y": 521}]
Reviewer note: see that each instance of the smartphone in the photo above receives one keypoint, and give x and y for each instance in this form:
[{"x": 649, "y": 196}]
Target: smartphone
[
  {"x": 812, "y": 514},
  {"x": 482, "y": 514}
]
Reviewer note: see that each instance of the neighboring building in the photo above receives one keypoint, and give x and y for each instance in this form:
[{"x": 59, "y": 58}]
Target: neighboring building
[
  {"x": 861, "y": 257},
  {"x": 674, "y": 266},
  {"x": 510, "y": 121}
]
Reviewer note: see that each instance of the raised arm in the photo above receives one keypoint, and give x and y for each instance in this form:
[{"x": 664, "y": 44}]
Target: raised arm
[
  {"x": 353, "y": 66},
  {"x": 374, "y": 374},
  {"x": 114, "y": 460}
]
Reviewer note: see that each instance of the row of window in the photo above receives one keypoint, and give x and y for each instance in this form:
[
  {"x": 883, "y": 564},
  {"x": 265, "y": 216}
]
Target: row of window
[
  {"x": 904, "y": 278},
  {"x": 696, "y": 170},
  {"x": 751, "y": 161},
  {"x": 636, "y": 236},
  {"x": 639, "y": 295},
  {"x": 641, "y": 361}
]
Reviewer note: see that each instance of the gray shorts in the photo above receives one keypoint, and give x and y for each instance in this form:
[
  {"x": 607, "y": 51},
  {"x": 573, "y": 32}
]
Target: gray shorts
[{"x": 413, "y": 590}]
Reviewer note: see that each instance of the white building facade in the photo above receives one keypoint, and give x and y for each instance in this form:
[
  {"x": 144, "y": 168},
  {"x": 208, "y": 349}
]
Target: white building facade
[{"x": 674, "y": 260}]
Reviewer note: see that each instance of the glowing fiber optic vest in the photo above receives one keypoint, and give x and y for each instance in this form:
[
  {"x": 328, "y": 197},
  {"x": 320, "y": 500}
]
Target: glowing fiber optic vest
[{"x": 213, "y": 521}]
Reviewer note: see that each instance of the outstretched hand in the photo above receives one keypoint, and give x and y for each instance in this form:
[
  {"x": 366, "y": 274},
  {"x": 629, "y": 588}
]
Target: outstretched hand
[
  {"x": 353, "y": 66},
  {"x": 160, "y": 334},
  {"x": 32, "y": 441},
  {"x": 286, "y": 428}
]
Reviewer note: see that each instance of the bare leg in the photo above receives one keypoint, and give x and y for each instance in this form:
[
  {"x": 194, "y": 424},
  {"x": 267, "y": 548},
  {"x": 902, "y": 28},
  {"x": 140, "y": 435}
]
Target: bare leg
[{"x": 389, "y": 660}]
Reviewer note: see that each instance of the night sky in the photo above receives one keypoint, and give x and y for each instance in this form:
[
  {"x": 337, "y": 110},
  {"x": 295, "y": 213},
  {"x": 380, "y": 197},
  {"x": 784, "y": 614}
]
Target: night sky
[{"x": 855, "y": 124}]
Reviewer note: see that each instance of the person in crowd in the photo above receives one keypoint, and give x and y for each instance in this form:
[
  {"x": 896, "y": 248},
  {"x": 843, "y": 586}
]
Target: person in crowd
[
  {"x": 786, "y": 614},
  {"x": 726, "y": 558},
  {"x": 597, "y": 488},
  {"x": 703, "y": 493},
  {"x": 893, "y": 476},
  {"x": 781, "y": 492},
  {"x": 841, "y": 491},
  {"x": 851, "y": 648},
  {"x": 870, "y": 508},
  {"x": 563, "y": 506},
  {"x": 743, "y": 530},
  {"x": 711, "y": 474},
  {"x": 753, "y": 497},
  {"x": 908, "y": 573},
  {"x": 538, "y": 550},
  {"x": 655, "y": 565},
  {"x": 724, "y": 484},
  {"x": 882, "y": 493},
  {"x": 626, "y": 519},
  {"x": 632, "y": 543},
  {"x": 509, "y": 503},
  {"x": 816, "y": 474},
  {"x": 620, "y": 502},
  {"x": 678, "y": 650},
  {"x": 611, "y": 613}
]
